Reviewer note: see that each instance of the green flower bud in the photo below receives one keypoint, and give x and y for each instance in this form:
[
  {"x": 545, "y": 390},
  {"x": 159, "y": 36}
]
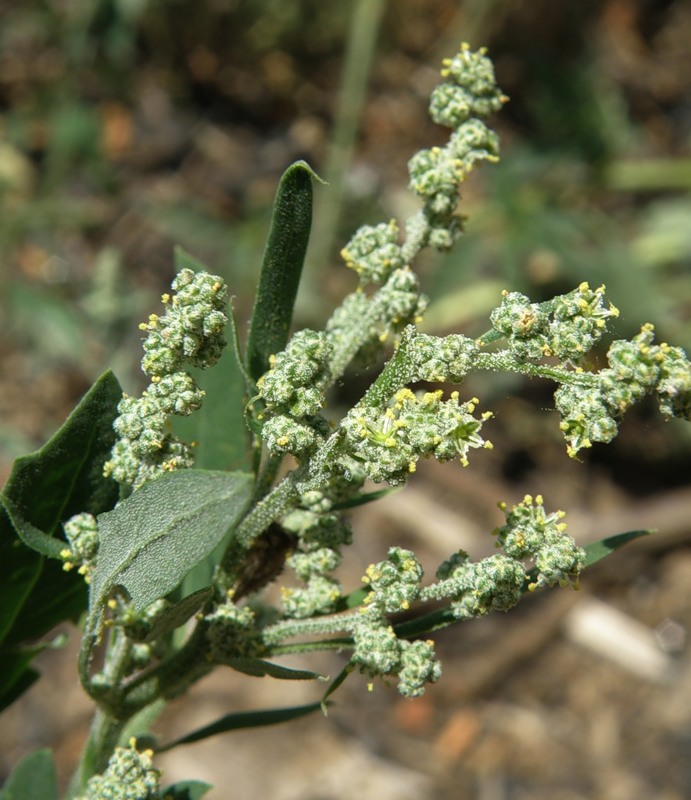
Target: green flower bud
[
  {"x": 283, "y": 434},
  {"x": 674, "y": 386},
  {"x": 314, "y": 562}
]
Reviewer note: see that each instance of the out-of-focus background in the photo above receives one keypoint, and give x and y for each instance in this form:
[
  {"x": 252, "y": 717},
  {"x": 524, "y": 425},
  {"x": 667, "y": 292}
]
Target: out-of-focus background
[{"x": 129, "y": 126}]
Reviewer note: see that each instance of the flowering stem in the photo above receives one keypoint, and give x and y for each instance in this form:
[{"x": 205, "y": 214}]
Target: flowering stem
[
  {"x": 289, "y": 628},
  {"x": 503, "y": 361},
  {"x": 103, "y": 738}
]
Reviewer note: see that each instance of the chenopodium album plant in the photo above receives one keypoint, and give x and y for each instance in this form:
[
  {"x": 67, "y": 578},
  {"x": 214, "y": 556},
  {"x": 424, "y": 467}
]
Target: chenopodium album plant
[{"x": 175, "y": 558}]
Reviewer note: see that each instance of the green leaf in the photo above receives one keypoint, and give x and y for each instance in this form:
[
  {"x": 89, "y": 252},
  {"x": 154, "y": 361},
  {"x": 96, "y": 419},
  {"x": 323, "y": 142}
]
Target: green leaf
[
  {"x": 16, "y": 674},
  {"x": 259, "y": 668},
  {"x": 365, "y": 497},
  {"x": 155, "y": 536},
  {"x": 65, "y": 476},
  {"x": 353, "y": 600},
  {"x": 45, "y": 488},
  {"x": 223, "y": 410},
  {"x": 49, "y": 546},
  {"x": 184, "y": 260},
  {"x": 13, "y": 686},
  {"x": 177, "y": 615},
  {"x": 34, "y": 777},
  {"x": 186, "y": 790},
  {"x": 595, "y": 551},
  {"x": 19, "y": 570},
  {"x": 241, "y": 720},
  {"x": 281, "y": 268},
  {"x": 336, "y": 682}
]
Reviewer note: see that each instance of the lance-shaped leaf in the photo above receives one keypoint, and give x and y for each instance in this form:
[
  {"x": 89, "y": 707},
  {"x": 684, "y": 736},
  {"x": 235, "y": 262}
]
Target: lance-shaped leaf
[
  {"x": 154, "y": 537},
  {"x": 595, "y": 551},
  {"x": 246, "y": 719},
  {"x": 281, "y": 268},
  {"x": 178, "y": 614},
  {"x": 259, "y": 668}
]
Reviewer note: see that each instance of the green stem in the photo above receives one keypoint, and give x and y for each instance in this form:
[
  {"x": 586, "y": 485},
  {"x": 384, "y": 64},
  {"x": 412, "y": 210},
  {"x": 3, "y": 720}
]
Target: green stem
[
  {"x": 103, "y": 737},
  {"x": 289, "y": 628},
  {"x": 417, "y": 231},
  {"x": 397, "y": 373},
  {"x": 171, "y": 677},
  {"x": 362, "y": 323},
  {"x": 503, "y": 361}
]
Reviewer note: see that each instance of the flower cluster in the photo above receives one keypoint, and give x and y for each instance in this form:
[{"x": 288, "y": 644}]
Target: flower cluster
[
  {"x": 190, "y": 333},
  {"x": 321, "y": 533},
  {"x": 394, "y": 584},
  {"x": 81, "y": 532},
  {"x": 379, "y": 652},
  {"x": 448, "y": 358},
  {"x": 469, "y": 92},
  {"x": 531, "y": 533},
  {"x": 130, "y": 775},
  {"x": 566, "y": 327},
  {"x": 591, "y": 410},
  {"x": 374, "y": 252},
  {"x": 293, "y": 393},
  {"x": 478, "y": 588},
  {"x": 232, "y": 632},
  {"x": 498, "y": 582},
  {"x": 389, "y": 442}
]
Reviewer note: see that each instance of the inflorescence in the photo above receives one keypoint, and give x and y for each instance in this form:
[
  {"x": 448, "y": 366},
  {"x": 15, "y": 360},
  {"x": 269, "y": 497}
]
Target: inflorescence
[
  {"x": 383, "y": 437},
  {"x": 189, "y": 334}
]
